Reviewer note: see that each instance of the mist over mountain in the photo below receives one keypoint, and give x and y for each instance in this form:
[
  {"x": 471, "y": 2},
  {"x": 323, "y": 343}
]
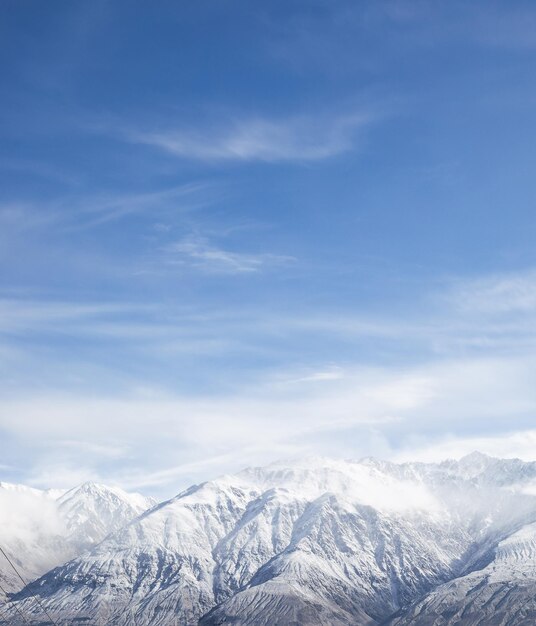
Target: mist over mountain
[
  {"x": 40, "y": 529},
  {"x": 309, "y": 542}
]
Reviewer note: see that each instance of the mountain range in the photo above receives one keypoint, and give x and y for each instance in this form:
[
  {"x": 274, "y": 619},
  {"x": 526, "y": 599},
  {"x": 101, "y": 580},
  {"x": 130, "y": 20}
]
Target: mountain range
[{"x": 303, "y": 543}]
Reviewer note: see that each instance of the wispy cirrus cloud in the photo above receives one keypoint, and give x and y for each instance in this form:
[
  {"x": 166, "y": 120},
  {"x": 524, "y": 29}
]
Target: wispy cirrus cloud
[
  {"x": 199, "y": 253},
  {"x": 20, "y": 314},
  {"x": 449, "y": 318},
  {"x": 84, "y": 212},
  {"x": 302, "y": 138},
  {"x": 496, "y": 294},
  {"x": 23, "y": 217},
  {"x": 99, "y": 210}
]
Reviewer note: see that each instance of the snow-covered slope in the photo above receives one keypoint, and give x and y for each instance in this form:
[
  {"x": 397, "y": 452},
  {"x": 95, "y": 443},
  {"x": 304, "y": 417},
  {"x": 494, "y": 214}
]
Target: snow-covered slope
[
  {"x": 92, "y": 511},
  {"x": 312, "y": 543},
  {"x": 502, "y": 593},
  {"x": 42, "y": 529}
]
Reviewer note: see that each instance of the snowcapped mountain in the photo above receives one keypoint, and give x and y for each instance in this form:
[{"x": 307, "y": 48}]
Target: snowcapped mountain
[
  {"x": 310, "y": 543},
  {"x": 42, "y": 529},
  {"x": 92, "y": 511}
]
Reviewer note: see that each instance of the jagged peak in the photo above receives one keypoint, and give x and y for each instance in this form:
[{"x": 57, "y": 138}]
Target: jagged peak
[
  {"x": 100, "y": 491},
  {"x": 477, "y": 457}
]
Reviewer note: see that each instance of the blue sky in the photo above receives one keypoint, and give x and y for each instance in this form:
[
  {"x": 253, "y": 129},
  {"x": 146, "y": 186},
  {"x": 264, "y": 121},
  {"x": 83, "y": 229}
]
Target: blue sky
[{"x": 232, "y": 232}]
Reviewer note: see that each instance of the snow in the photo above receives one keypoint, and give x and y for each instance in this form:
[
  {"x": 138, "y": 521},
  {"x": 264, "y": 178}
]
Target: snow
[
  {"x": 312, "y": 541},
  {"x": 358, "y": 483},
  {"x": 40, "y": 529}
]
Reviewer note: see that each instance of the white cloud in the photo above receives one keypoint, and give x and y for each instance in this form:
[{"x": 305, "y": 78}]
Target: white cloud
[
  {"x": 139, "y": 430},
  {"x": 102, "y": 450},
  {"x": 496, "y": 294},
  {"x": 19, "y": 218},
  {"x": 99, "y": 210},
  {"x": 75, "y": 213},
  {"x": 333, "y": 372},
  {"x": 47, "y": 473},
  {"x": 17, "y": 314},
  {"x": 199, "y": 253},
  {"x": 26, "y": 515},
  {"x": 379, "y": 410},
  {"x": 518, "y": 444},
  {"x": 257, "y": 139}
]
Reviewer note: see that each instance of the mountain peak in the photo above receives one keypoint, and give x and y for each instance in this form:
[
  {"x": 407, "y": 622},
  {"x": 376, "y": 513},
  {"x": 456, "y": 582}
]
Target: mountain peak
[{"x": 476, "y": 457}]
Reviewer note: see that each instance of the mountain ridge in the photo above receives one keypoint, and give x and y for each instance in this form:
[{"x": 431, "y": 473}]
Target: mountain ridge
[{"x": 313, "y": 541}]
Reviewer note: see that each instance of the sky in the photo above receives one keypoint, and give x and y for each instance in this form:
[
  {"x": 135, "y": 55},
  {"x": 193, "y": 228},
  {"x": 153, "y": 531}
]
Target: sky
[{"x": 236, "y": 232}]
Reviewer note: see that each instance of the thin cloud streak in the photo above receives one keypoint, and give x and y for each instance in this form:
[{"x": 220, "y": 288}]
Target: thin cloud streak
[
  {"x": 296, "y": 139},
  {"x": 31, "y": 314},
  {"x": 102, "y": 210},
  {"x": 505, "y": 293},
  {"x": 82, "y": 213},
  {"x": 445, "y": 322},
  {"x": 199, "y": 253}
]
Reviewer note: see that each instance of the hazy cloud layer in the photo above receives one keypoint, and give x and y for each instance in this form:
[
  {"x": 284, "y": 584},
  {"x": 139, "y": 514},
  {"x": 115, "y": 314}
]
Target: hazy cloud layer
[{"x": 470, "y": 376}]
